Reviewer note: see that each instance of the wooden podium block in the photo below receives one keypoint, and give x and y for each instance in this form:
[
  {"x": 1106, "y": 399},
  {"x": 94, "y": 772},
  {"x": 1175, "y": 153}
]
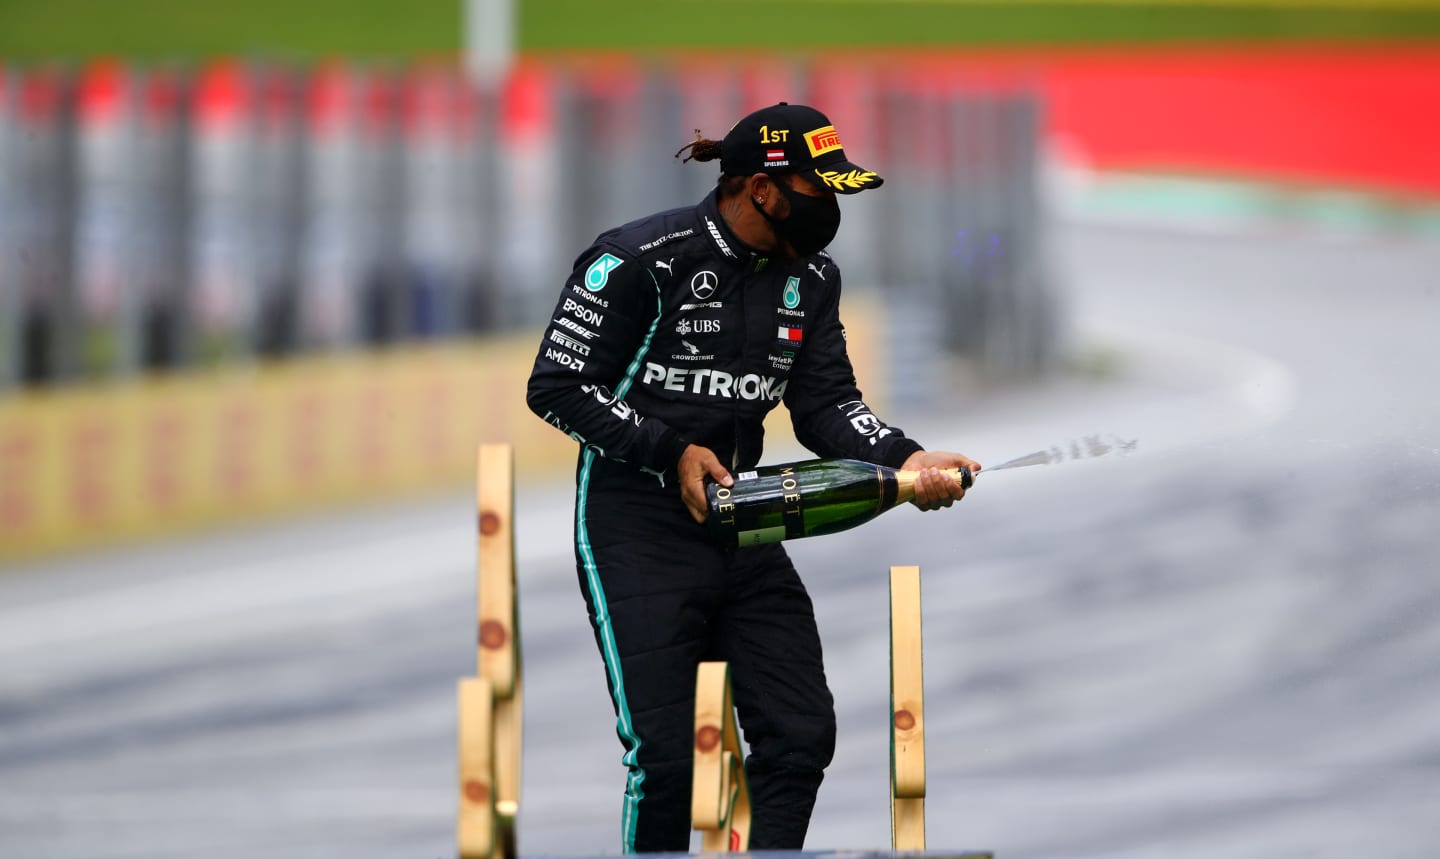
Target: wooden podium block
[
  {"x": 720, "y": 795},
  {"x": 475, "y": 824},
  {"x": 498, "y": 659},
  {"x": 491, "y": 705},
  {"x": 907, "y": 710}
]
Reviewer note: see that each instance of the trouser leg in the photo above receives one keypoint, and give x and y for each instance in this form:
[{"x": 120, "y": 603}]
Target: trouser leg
[
  {"x": 766, "y": 630},
  {"x": 649, "y": 613}
]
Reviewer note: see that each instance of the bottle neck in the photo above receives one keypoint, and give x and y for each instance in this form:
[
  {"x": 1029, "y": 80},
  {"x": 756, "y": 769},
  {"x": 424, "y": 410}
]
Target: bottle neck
[{"x": 905, "y": 482}]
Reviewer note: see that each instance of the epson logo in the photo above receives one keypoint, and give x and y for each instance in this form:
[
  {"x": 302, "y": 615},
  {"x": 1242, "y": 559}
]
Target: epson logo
[
  {"x": 584, "y": 314},
  {"x": 715, "y": 383}
]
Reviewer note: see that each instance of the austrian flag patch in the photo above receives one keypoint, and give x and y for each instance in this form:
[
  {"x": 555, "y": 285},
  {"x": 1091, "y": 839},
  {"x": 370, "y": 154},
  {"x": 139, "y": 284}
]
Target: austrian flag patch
[
  {"x": 789, "y": 333},
  {"x": 774, "y": 154}
]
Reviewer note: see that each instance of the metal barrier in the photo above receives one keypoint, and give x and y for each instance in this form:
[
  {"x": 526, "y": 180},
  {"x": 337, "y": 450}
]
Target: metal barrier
[
  {"x": 9, "y": 247},
  {"x": 152, "y": 219}
]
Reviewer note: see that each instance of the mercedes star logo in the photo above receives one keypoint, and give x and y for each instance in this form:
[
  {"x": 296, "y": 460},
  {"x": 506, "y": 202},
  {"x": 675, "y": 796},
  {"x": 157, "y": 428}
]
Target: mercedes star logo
[{"x": 703, "y": 284}]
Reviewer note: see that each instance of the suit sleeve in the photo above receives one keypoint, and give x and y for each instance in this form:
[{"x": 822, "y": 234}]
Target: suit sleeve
[
  {"x": 586, "y": 363},
  {"x": 826, "y": 408}
]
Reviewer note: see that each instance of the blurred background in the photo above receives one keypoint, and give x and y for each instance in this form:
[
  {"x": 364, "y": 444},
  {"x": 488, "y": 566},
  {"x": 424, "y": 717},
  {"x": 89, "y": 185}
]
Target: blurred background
[{"x": 269, "y": 271}]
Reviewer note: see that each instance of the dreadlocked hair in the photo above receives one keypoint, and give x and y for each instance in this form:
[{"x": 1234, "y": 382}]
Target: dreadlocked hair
[
  {"x": 701, "y": 149},
  {"x": 705, "y": 149}
]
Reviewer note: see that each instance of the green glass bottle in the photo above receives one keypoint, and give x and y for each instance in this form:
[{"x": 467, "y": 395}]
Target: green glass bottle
[{"x": 807, "y": 499}]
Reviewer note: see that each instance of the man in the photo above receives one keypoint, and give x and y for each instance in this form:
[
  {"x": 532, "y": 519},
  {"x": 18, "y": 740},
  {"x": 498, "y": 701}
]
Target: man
[{"x": 672, "y": 339}]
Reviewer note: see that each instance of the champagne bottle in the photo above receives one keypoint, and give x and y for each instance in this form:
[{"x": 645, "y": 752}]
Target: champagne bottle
[{"x": 807, "y": 499}]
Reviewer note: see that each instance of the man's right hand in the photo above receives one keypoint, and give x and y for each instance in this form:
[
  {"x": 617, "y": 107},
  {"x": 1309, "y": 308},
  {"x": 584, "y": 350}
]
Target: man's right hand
[{"x": 696, "y": 464}]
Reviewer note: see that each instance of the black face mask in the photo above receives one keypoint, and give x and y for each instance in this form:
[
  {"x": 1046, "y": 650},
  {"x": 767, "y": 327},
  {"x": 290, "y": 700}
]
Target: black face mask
[{"x": 811, "y": 224}]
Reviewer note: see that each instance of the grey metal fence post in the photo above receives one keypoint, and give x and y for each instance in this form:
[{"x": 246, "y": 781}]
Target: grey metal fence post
[
  {"x": 161, "y": 270},
  {"x": 44, "y": 226},
  {"x": 534, "y": 200},
  {"x": 107, "y": 191},
  {"x": 333, "y": 256},
  {"x": 429, "y": 187},
  {"x": 381, "y": 214},
  {"x": 479, "y": 173},
  {"x": 223, "y": 293},
  {"x": 279, "y": 190},
  {"x": 711, "y": 103},
  {"x": 9, "y": 249},
  {"x": 1038, "y": 305},
  {"x": 847, "y": 96}
]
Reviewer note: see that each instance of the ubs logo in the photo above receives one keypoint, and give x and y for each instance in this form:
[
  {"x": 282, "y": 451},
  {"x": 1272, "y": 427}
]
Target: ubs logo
[
  {"x": 703, "y": 284},
  {"x": 699, "y": 326}
]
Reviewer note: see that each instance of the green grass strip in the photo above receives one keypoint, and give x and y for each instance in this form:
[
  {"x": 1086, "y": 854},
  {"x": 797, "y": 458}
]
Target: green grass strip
[
  {"x": 582, "y": 24},
  {"x": 158, "y": 30}
]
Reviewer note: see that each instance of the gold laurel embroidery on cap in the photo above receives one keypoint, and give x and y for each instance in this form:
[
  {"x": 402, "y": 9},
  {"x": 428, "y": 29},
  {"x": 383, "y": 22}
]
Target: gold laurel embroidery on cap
[{"x": 842, "y": 181}]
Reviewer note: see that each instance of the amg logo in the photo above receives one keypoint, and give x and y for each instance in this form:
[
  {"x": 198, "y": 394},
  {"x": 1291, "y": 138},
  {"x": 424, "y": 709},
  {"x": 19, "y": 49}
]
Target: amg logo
[
  {"x": 715, "y": 383},
  {"x": 569, "y": 343}
]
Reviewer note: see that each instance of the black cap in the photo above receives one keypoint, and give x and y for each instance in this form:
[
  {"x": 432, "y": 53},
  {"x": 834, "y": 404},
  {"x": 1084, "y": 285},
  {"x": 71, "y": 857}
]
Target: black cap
[{"x": 793, "y": 138}]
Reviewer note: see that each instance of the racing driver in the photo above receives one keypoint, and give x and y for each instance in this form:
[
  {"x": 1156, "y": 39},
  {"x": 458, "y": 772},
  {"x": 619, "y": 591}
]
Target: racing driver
[{"x": 671, "y": 340}]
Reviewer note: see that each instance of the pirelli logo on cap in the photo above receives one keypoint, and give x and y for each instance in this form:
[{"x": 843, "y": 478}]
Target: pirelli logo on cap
[{"x": 822, "y": 140}]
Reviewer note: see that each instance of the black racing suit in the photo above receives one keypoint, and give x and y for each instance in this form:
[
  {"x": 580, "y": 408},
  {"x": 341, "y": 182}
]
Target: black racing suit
[{"x": 671, "y": 332}]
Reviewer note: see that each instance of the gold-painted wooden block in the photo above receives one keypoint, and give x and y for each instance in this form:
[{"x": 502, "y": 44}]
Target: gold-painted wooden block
[
  {"x": 720, "y": 795},
  {"x": 907, "y": 712}
]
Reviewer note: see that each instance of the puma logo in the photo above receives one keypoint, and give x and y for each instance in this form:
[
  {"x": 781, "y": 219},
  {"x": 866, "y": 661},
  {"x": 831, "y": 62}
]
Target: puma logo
[
  {"x": 818, "y": 271},
  {"x": 665, "y": 265}
]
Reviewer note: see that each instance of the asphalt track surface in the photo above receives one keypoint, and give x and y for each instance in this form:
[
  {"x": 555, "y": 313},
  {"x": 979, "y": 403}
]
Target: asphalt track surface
[{"x": 1223, "y": 643}]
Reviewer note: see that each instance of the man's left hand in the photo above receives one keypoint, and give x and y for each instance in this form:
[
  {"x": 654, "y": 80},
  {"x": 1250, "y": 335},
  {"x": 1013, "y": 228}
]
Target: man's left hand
[{"x": 935, "y": 488}]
